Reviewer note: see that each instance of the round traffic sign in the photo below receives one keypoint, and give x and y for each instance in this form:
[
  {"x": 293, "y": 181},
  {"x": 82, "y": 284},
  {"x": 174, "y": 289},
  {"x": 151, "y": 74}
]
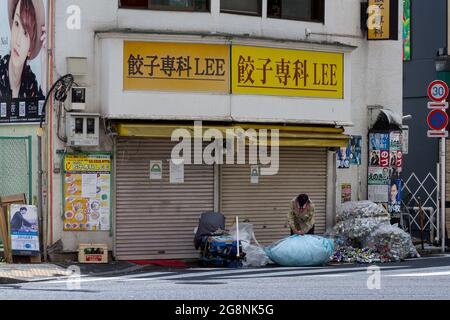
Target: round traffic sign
[
  {"x": 437, "y": 120},
  {"x": 438, "y": 91}
]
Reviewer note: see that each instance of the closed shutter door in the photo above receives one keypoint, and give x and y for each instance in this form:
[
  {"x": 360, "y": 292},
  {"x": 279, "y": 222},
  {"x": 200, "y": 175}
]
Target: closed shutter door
[
  {"x": 266, "y": 205},
  {"x": 156, "y": 219}
]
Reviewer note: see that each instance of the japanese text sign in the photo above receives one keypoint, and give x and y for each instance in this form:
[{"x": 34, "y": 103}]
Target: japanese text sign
[
  {"x": 87, "y": 192},
  {"x": 176, "y": 67},
  {"x": 287, "y": 72},
  {"x": 382, "y": 20}
]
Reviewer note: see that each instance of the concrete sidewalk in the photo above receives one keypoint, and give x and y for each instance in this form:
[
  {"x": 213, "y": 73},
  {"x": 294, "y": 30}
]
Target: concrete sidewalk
[{"x": 20, "y": 273}]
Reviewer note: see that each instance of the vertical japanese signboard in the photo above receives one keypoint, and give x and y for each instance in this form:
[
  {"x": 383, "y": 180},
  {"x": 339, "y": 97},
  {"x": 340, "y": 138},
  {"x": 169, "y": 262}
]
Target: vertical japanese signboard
[
  {"x": 22, "y": 52},
  {"x": 382, "y": 20},
  {"x": 285, "y": 72},
  {"x": 87, "y": 192},
  {"x": 176, "y": 67}
]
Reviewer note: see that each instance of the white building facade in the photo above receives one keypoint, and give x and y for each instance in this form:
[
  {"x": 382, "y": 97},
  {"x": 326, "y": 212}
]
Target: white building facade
[{"x": 155, "y": 217}]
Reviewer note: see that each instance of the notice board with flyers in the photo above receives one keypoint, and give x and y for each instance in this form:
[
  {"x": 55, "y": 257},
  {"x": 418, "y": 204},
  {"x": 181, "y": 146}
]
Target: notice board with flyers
[
  {"x": 385, "y": 167},
  {"x": 87, "y": 192}
]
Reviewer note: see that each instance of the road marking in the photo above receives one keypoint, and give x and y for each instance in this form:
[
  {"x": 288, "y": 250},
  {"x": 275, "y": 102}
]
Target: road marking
[
  {"x": 305, "y": 273},
  {"x": 422, "y": 274}
]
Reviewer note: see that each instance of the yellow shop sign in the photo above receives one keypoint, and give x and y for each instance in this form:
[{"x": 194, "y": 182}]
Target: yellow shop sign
[
  {"x": 286, "y": 72},
  {"x": 176, "y": 67}
]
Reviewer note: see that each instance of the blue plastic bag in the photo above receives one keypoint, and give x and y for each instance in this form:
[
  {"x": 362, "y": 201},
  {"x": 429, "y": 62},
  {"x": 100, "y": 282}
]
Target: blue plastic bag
[{"x": 301, "y": 251}]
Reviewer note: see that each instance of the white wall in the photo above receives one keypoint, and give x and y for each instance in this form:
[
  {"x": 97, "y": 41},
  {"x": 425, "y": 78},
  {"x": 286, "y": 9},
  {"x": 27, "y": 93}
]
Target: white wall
[{"x": 373, "y": 72}]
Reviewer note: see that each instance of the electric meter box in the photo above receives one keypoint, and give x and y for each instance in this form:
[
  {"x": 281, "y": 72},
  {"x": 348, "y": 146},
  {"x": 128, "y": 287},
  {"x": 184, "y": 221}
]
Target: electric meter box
[
  {"x": 82, "y": 129},
  {"x": 77, "y": 99}
]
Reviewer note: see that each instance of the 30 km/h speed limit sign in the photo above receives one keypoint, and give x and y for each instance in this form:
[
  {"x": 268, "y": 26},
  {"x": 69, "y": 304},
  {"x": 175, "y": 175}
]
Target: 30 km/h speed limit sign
[{"x": 438, "y": 91}]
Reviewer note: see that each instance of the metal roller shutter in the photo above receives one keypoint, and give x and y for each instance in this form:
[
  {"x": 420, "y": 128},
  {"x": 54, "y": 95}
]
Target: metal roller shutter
[
  {"x": 266, "y": 205},
  {"x": 156, "y": 219}
]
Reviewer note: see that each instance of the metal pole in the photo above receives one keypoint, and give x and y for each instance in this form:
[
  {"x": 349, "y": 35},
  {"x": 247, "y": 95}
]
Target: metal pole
[
  {"x": 438, "y": 209},
  {"x": 237, "y": 236},
  {"x": 443, "y": 191},
  {"x": 42, "y": 216}
]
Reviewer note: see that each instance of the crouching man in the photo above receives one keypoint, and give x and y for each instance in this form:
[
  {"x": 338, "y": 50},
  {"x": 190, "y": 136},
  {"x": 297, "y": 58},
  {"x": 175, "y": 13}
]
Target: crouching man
[{"x": 301, "y": 216}]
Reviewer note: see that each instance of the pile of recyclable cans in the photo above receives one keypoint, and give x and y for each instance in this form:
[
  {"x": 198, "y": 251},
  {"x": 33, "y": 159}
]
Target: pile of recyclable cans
[{"x": 363, "y": 234}]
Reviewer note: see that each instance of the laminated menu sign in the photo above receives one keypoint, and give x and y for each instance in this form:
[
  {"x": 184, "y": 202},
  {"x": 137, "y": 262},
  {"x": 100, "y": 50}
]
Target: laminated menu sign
[{"x": 87, "y": 192}]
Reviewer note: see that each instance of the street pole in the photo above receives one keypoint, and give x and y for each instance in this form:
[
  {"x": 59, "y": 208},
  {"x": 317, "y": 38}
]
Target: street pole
[
  {"x": 443, "y": 147},
  {"x": 42, "y": 216}
]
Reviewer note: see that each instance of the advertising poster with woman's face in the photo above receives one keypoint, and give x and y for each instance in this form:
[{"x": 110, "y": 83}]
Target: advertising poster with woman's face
[{"x": 23, "y": 60}]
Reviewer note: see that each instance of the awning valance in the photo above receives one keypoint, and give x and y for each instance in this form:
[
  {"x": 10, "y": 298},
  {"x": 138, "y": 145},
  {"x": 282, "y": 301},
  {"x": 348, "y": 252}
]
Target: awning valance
[{"x": 289, "y": 136}]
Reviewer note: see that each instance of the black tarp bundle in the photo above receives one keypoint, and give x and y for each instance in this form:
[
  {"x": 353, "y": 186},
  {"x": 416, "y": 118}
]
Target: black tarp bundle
[{"x": 210, "y": 223}]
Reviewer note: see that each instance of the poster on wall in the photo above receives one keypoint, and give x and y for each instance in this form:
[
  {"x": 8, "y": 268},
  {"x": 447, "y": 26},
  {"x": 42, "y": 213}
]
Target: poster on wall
[
  {"x": 395, "y": 196},
  {"x": 156, "y": 170},
  {"x": 254, "y": 175},
  {"x": 176, "y": 171},
  {"x": 23, "y": 52},
  {"x": 379, "y": 141},
  {"x": 379, "y": 176},
  {"x": 87, "y": 192},
  {"x": 378, "y": 193},
  {"x": 350, "y": 155},
  {"x": 355, "y": 150},
  {"x": 346, "y": 192},
  {"x": 24, "y": 230},
  {"x": 343, "y": 157}
]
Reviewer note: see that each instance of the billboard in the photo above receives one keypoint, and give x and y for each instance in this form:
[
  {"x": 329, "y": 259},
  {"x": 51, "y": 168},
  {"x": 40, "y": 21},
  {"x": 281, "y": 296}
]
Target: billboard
[{"x": 23, "y": 60}]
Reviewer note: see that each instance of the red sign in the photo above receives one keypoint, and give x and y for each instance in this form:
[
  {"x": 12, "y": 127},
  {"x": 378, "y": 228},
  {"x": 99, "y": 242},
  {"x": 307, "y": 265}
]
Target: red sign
[
  {"x": 438, "y": 91},
  {"x": 384, "y": 158},
  {"x": 437, "y": 120},
  {"x": 399, "y": 159}
]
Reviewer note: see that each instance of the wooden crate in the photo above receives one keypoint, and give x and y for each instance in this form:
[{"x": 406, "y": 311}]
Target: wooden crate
[{"x": 92, "y": 253}]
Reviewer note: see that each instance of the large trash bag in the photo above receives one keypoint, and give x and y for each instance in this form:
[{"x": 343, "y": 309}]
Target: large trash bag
[
  {"x": 255, "y": 256},
  {"x": 301, "y": 251}
]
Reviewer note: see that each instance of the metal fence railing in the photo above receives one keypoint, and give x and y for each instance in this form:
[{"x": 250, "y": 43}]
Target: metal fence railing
[{"x": 15, "y": 166}]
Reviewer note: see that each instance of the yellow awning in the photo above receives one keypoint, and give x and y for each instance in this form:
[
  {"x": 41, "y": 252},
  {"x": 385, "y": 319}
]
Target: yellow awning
[{"x": 289, "y": 136}]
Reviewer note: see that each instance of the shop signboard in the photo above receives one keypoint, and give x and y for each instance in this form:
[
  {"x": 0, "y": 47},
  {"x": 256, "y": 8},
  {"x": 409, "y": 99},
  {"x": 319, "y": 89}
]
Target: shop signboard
[
  {"x": 382, "y": 20},
  {"x": 24, "y": 230},
  {"x": 287, "y": 72},
  {"x": 24, "y": 102},
  {"x": 87, "y": 192},
  {"x": 164, "y": 66}
]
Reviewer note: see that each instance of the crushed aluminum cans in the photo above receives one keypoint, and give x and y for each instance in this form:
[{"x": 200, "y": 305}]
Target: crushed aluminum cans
[{"x": 363, "y": 234}]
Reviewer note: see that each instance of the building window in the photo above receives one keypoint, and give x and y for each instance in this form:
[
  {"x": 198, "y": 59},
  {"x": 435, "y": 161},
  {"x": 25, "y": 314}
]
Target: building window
[
  {"x": 248, "y": 7},
  {"x": 306, "y": 10},
  {"x": 177, "y": 5}
]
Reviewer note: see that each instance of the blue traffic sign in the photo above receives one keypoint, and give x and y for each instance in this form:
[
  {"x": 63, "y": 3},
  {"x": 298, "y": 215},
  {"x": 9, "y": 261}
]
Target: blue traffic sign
[{"x": 437, "y": 119}]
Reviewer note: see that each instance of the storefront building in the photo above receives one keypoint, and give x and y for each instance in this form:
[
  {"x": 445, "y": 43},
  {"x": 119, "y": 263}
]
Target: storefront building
[
  {"x": 21, "y": 108},
  {"x": 226, "y": 67}
]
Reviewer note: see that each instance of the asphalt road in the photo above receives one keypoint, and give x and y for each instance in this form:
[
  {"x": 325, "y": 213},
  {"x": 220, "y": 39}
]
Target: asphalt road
[{"x": 425, "y": 278}]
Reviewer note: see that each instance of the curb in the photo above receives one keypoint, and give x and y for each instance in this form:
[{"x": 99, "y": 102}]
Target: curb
[
  {"x": 4, "y": 280},
  {"x": 9, "y": 281}
]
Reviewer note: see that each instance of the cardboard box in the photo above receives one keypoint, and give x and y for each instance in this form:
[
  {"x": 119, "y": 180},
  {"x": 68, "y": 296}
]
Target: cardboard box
[{"x": 92, "y": 253}]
